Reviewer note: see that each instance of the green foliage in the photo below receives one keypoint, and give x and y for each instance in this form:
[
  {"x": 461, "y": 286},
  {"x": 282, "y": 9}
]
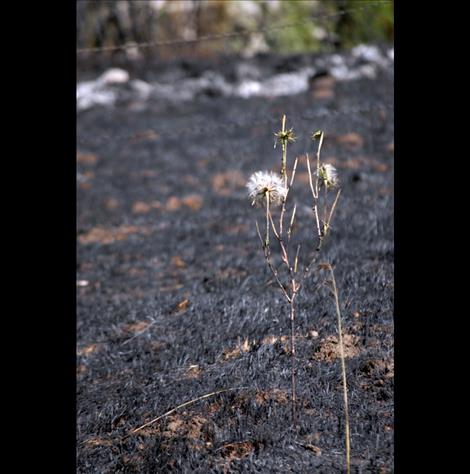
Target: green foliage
[
  {"x": 369, "y": 25},
  {"x": 298, "y": 38},
  {"x": 364, "y": 22}
]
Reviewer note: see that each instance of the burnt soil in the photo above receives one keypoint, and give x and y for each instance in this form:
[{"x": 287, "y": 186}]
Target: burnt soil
[{"x": 174, "y": 299}]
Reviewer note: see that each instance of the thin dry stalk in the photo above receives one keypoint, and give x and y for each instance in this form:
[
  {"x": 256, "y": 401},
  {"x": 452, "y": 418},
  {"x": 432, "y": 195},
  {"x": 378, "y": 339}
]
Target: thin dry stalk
[
  {"x": 190, "y": 402},
  {"x": 294, "y": 169},
  {"x": 315, "y": 199},
  {"x": 267, "y": 219},
  {"x": 310, "y": 178},
  {"x": 343, "y": 369},
  {"x": 273, "y": 226},
  {"x": 284, "y": 174},
  {"x": 327, "y": 223},
  {"x": 320, "y": 143},
  {"x": 316, "y": 189},
  {"x": 291, "y": 223},
  {"x": 270, "y": 265},
  {"x": 296, "y": 261},
  {"x": 284, "y": 153},
  {"x": 292, "y": 343}
]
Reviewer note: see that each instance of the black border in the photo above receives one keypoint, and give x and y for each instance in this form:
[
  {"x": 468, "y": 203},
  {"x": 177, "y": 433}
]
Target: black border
[
  {"x": 41, "y": 69},
  {"x": 426, "y": 323}
]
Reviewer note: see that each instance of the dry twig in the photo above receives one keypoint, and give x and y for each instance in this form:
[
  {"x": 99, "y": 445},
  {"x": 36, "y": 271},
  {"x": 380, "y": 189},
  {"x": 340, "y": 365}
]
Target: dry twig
[{"x": 190, "y": 402}]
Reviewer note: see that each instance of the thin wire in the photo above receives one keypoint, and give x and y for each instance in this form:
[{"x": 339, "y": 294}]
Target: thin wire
[{"x": 179, "y": 41}]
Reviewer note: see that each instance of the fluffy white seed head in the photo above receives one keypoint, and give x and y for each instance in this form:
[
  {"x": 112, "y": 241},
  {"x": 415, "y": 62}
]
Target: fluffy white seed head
[
  {"x": 263, "y": 183},
  {"x": 329, "y": 175}
]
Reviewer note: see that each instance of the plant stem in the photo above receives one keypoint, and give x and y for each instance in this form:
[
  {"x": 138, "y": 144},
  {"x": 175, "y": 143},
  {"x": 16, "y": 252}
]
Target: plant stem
[
  {"x": 292, "y": 335},
  {"x": 270, "y": 265},
  {"x": 190, "y": 402},
  {"x": 330, "y": 215},
  {"x": 343, "y": 369},
  {"x": 267, "y": 219},
  {"x": 320, "y": 143},
  {"x": 284, "y": 153}
]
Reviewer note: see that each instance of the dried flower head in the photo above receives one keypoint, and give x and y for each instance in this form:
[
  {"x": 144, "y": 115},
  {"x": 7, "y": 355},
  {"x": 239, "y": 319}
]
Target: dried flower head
[
  {"x": 328, "y": 175},
  {"x": 286, "y": 136},
  {"x": 316, "y": 135},
  {"x": 263, "y": 183}
]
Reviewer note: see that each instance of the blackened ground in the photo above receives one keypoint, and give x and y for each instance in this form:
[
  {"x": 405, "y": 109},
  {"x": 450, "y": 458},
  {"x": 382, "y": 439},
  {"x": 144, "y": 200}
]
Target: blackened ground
[{"x": 175, "y": 300}]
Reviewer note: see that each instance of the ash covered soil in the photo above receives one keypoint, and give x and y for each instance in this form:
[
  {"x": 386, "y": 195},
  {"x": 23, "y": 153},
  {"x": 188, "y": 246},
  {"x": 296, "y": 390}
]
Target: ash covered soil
[{"x": 175, "y": 301}]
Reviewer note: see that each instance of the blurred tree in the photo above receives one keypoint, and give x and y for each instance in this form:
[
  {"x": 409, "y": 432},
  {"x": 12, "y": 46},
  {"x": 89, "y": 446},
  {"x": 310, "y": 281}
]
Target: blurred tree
[
  {"x": 317, "y": 25},
  {"x": 363, "y": 25},
  {"x": 300, "y": 37}
]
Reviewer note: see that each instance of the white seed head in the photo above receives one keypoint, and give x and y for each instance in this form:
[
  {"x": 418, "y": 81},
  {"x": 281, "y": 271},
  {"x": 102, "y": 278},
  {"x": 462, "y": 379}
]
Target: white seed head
[
  {"x": 329, "y": 175},
  {"x": 263, "y": 183}
]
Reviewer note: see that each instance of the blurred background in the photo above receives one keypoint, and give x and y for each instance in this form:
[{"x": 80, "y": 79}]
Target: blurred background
[{"x": 245, "y": 27}]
